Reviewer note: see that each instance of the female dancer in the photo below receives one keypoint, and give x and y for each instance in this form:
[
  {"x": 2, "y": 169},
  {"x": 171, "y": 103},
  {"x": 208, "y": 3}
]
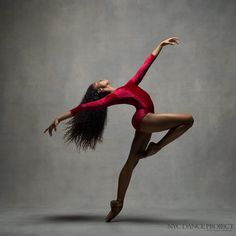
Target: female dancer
[{"x": 89, "y": 117}]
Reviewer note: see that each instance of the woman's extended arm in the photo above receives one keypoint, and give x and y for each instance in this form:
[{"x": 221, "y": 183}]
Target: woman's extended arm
[
  {"x": 137, "y": 78},
  {"x": 64, "y": 116},
  {"x": 106, "y": 101},
  {"x": 98, "y": 104}
]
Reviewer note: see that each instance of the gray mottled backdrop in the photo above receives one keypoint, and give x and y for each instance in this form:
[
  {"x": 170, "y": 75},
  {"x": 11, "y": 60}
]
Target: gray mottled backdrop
[{"x": 52, "y": 50}]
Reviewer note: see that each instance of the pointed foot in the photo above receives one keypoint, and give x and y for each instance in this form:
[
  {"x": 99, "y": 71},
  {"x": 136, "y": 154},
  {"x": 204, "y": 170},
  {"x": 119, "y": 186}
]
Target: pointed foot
[{"x": 116, "y": 207}]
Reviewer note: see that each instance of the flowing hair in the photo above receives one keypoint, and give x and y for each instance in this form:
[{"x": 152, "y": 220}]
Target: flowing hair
[{"x": 86, "y": 127}]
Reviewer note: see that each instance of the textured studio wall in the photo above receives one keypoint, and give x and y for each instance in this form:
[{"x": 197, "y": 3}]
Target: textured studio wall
[{"x": 52, "y": 50}]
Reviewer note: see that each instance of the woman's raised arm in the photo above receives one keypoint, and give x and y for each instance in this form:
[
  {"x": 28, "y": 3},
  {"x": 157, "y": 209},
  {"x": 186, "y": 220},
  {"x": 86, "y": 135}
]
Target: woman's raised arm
[
  {"x": 137, "y": 78},
  {"x": 157, "y": 50}
]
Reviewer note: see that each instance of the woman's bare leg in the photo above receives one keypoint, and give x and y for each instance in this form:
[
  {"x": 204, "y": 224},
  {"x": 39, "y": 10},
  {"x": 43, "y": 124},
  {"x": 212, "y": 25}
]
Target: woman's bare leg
[
  {"x": 139, "y": 145},
  {"x": 177, "y": 123}
]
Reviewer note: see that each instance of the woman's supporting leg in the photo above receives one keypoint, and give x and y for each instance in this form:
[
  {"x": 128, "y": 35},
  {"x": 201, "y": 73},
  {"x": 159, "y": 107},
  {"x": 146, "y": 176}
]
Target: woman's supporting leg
[
  {"x": 139, "y": 145},
  {"x": 177, "y": 123}
]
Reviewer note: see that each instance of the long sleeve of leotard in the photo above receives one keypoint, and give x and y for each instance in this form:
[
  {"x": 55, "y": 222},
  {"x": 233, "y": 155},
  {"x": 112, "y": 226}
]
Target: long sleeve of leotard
[
  {"x": 137, "y": 78},
  {"x": 98, "y": 104}
]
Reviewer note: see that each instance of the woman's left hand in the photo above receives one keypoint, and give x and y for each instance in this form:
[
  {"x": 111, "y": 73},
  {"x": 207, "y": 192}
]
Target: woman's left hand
[{"x": 171, "y": 41}]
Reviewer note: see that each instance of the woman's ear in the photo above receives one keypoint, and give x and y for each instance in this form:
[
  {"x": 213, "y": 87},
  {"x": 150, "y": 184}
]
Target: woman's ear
[{"x": 99, "y": 90}]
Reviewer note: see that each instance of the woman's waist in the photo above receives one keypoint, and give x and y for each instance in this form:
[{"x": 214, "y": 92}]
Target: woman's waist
[{"x": 145, "y": 109}]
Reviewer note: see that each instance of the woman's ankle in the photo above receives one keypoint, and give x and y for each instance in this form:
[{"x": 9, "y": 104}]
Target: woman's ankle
[{"x": 120, "y": 200}]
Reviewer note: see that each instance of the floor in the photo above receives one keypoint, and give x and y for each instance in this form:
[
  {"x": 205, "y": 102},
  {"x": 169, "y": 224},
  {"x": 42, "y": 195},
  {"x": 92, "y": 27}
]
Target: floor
[{"x": 148, "y": 221}]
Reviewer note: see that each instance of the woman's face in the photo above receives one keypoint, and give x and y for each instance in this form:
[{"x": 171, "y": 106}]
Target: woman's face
[{"x": 102, "y": 83}]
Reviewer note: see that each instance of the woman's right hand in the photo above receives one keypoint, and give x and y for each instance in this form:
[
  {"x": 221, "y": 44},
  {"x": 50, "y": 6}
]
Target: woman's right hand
[{"x": 52, "y": 126}]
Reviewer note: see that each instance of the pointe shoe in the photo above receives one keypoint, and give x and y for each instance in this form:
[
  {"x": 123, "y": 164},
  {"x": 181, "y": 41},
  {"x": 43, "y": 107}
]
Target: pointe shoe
[{"x": 116, "y": 207}]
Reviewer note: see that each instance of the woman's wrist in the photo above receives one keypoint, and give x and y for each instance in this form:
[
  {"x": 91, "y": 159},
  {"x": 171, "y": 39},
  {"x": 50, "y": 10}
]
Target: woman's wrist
[
  {"x": 64, "y": 116},
  {"x": 58, "y": 118},
  {"x": 157, "y": 50}
]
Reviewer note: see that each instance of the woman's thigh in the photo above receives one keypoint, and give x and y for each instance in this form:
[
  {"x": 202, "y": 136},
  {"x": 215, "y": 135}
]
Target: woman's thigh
[{"x": 154, "y": 122}]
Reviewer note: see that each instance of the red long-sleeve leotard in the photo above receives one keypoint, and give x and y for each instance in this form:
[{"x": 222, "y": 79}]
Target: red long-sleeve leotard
[{"x": 130, "y": 93}]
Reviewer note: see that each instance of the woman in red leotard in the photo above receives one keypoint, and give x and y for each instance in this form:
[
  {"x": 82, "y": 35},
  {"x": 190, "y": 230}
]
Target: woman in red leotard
[{"x": 89, "y": 117}]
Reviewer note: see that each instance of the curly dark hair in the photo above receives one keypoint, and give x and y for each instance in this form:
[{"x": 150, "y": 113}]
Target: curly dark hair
[{"x": 86, "y": 127}]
